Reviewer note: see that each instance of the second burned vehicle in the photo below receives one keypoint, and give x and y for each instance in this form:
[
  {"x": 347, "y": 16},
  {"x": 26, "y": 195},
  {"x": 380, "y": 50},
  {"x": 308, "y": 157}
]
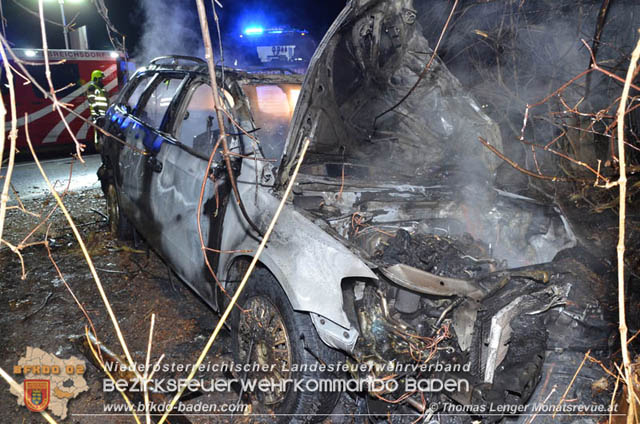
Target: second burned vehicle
[{"x": 395, "y": 248}]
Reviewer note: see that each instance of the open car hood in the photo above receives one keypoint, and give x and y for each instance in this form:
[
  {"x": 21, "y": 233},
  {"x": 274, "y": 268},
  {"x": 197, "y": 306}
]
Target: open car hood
[
  {"x": 355, "y": 110},
  {"x": 397, "y": 146}
]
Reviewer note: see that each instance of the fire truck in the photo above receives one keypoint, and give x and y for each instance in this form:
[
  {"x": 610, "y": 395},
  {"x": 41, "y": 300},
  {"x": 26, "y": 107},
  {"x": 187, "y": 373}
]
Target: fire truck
[
  {"x": 280, "y": 47},
  {"x": 70, "y": 74}
]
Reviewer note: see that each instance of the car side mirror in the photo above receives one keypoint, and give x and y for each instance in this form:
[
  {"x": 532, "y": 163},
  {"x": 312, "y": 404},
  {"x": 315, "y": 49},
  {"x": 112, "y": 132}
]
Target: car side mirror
[{"x": 186, "y": 116}]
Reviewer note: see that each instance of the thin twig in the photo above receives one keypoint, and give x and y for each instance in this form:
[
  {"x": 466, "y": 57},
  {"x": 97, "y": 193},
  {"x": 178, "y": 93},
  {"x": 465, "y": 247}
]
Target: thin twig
[
  {"x": 613, "y": 397},
  {"x": 564, "y": 395},
  {"x": 68, "y": 287},
  {"x": 622, "y": 186},
  {"x": 41, "y": 307},
  {"x": 12, "y": 138},
  {"x": 15, "y": 250},
  {"x": 204, "y": 26},
  {"x": 147, "y": 413},
  {"x": 424, "y": 71},
  {"x": 52, "y": 91},
  {"x": 199, "y": 213},
  {"x": 23, "y": 243},
  {"x": 521, "y": 169},
  {"x": 21, "y": 205},
  {"x": 85, "y": 252},
  {"x": 98, "y": 357}
]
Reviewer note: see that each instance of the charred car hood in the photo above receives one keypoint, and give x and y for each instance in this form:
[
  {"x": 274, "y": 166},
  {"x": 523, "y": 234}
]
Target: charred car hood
[
  {"x": 395, "y": 146},
  {"x": 355, "y": 109}
]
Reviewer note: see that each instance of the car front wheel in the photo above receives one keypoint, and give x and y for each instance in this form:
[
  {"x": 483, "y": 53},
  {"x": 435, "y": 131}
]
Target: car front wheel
[{"x": 268, "y": 334}]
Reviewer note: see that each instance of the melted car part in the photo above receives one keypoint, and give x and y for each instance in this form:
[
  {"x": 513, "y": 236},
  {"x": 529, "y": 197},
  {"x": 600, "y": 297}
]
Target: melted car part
[
  {"x": 424, "y": 282},
  {"x": 499, "y": 337},
  {"x": 390, "y": 341},
  {"x": 464, "y": 319},
  {"x": 407, "y": 301}
]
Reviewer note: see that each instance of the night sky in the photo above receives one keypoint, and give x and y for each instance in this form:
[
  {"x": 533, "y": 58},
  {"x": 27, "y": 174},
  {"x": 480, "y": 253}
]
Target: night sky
[{"x": 128, "y": 16}]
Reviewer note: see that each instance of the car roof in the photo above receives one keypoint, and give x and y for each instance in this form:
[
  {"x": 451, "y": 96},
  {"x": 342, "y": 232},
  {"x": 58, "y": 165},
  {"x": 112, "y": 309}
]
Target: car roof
[{"x": 196, "y": 65}]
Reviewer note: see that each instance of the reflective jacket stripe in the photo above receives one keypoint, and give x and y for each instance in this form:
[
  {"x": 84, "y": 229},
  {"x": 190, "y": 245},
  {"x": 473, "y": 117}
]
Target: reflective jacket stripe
[{"x": 98, "y": 100}]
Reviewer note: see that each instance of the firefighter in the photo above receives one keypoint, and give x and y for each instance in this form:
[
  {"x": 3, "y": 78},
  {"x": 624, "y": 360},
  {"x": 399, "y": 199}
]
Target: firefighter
[{"x": 98, "y": 101}]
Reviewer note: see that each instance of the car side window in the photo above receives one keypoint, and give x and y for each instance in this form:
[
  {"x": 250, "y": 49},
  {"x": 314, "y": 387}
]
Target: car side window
[
  {"x": 199, "y": 127},
  {"x": 272, "y": 108},
  {"x": 158, "y": 101},
  {"x": 134, "y": 96}
]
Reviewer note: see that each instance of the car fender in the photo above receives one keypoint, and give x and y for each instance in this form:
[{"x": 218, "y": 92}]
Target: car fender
[{"x": 308, "y": 263}]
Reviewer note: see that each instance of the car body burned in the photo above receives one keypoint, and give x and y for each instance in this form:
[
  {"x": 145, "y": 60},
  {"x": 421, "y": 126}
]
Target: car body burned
[{"x": 395, "y": 251}]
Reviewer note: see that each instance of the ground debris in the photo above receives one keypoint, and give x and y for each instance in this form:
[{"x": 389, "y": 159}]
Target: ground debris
[{"x": 145, "y": 288}]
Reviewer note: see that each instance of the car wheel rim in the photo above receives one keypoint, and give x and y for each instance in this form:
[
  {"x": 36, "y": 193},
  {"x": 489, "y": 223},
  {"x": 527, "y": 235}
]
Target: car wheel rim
[
  {"x": 264, "y": 340},
  {"x": 112, "y": 209}
]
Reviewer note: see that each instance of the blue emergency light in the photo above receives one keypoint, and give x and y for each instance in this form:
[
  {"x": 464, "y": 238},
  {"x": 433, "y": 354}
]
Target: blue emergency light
[{"x": 256, "y": 30}]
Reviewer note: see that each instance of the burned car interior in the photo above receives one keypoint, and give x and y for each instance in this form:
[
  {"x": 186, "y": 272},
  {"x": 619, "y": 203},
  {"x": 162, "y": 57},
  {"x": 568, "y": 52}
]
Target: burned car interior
[{"x": 395, "y": 250}]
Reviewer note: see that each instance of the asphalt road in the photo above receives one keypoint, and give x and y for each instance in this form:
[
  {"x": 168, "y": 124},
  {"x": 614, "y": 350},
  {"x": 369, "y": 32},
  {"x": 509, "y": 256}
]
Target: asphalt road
[{"x": 28, "y": 182}]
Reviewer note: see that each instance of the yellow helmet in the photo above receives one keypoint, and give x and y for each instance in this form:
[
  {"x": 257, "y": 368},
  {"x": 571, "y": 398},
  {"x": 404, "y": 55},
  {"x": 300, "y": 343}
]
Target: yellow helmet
[{"x": 96, "y": 75}]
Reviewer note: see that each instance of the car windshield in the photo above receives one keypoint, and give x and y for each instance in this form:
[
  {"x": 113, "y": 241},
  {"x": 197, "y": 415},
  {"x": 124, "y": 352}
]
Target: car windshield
[{"x": 272, "y": 107}]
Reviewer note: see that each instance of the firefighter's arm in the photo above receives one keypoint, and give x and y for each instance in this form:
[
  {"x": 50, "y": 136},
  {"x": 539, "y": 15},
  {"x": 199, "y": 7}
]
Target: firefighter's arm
[{"x": 91, "y": 95}]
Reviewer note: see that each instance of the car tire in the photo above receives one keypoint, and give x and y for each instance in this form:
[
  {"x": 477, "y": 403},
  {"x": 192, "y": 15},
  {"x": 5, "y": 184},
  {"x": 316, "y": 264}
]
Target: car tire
[
  {"x": 119, "y": 225},
  {"x": 264, "y": 302}
]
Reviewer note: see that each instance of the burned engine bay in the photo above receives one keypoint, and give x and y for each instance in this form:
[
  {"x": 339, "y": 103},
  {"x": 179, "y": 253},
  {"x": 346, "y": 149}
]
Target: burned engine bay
[{"x": 447, "y": 307}]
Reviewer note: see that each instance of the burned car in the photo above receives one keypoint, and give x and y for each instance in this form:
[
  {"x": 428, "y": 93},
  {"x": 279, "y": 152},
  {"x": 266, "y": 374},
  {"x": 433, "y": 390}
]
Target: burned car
[{"x": 395, "y": 251}]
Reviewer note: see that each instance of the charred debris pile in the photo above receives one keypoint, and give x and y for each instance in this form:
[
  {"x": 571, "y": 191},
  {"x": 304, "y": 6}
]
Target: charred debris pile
[{"x": 461, "y": 257}]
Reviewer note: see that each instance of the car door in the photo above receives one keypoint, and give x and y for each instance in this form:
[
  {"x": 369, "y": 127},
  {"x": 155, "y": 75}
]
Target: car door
[
  {"x": 175, "y": 191},
  {"x": 125, "y": 126},
  {"x": 143, "y": 128}
]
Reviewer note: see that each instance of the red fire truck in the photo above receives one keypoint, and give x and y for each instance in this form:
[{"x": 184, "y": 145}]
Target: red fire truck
[{"x": 70, "y": 74}]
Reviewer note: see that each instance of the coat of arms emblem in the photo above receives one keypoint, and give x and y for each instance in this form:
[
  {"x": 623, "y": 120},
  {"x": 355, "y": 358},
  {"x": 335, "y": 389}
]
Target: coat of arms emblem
[{"x": 36, "y": 394}]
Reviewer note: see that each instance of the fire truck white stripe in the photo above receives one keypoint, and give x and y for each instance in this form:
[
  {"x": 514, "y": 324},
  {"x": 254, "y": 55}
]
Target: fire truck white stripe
[
  {"x": 57, "y": 130},
  {"x": 82, "y": 134}
]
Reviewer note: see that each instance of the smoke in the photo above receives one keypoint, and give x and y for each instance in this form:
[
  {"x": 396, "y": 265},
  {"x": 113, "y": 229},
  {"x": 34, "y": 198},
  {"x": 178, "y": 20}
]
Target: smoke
[
  {"x": 509, "y": 54},
  {"x": 170, "y": 28},
  {"x": 513, "y": 53}
]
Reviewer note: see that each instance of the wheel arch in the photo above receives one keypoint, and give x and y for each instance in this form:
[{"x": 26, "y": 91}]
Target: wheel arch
[{"x": 332, "y": 325}]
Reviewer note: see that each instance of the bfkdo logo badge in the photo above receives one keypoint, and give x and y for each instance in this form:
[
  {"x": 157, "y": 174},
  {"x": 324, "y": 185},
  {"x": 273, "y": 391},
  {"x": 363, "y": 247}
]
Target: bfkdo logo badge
[{"x": 36, "y": 394}]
